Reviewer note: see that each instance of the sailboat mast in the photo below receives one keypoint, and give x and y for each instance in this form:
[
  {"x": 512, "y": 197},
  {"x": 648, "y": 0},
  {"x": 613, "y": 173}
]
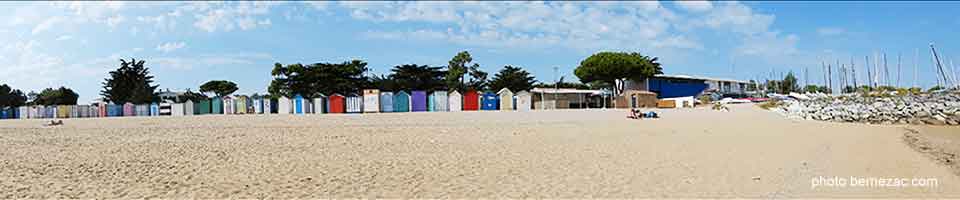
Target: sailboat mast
[
  {"x": 886, "y": 71},
  {"x": 898, "y": 70},
  {"x": 866, "y": 64},
  {"x": 936, "y": 59},
  {"x": 853, "y": 69},
  {"x": 916, "y": 68}
]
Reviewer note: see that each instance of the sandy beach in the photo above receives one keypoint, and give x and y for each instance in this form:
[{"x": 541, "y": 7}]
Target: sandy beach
[{"x": 747, "y": 152}]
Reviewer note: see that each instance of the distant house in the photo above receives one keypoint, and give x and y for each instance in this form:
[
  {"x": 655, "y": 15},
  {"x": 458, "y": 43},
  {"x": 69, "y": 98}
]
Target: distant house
[
  {"x": 565, "y": 98},
  {"x": 669, "y": 86}
]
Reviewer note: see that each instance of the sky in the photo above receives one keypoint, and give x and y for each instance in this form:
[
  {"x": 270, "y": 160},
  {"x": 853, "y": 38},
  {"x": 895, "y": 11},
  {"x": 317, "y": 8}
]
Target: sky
[{"x": 76, "y": 44}]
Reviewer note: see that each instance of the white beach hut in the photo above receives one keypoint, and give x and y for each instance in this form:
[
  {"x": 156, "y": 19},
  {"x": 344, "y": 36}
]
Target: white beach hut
[
  {"x": 440, "y": 101},
  {"x": 524, "y": 101},
  {"x": 188, "y": 107},
  {"x": 24, "y": 112},
  {"x": 176, "y": 109},
  {"x": 283, "y": 106},
  {"x": 354, "y": 104},
  {"x": 36, "y": 112},
  {"x": 455, "y": 101},
  {"x": 229, "y": 106},
  {"x": 371, "y": 100},
  {"x": 257, "y": 105}
]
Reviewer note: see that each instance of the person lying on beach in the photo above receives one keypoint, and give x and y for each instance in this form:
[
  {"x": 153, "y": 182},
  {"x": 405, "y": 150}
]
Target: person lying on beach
[
  {"x": 637, "y": 114},
  {"x": 54, "y": 123}
]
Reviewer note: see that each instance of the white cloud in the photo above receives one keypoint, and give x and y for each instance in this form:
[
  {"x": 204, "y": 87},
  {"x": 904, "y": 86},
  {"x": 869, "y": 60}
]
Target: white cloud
[
  {"x": 46, "y": 25},
  {"x": 581, "y": 25},
  {"x": 678, "y": 42},
  {"x": 695, "y": 6},
  {"x": 30, "y": 68},
  {"x": 738, "y": 18},
  {"x": 831, "y": 31},
  {"x": 218, "y": 60},
  {"x": 227, "y": 16},
  {"x": 115, "y": 20},
  {"x": 138, "y": 49},
  {"x": 64, "y": 37},
  {"x": 170, "y": 46}
]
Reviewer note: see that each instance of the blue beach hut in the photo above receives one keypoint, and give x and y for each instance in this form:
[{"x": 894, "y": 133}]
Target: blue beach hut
[
  {"x": 298, "y": 105},
  {"x": 386, "y": 101},
  {"x": 401, "y": 102},
  {"x": 418, "y": 101},
  {"x": 489, "y": 101}
]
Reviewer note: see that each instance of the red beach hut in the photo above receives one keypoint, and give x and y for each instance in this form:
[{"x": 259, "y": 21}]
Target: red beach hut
[
  {"x": 471, "y": 100},
  {"x": 336, "y": 103}
]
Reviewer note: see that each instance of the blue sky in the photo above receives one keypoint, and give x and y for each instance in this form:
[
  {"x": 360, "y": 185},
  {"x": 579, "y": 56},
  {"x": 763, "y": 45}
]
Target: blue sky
[{"x": 75, "y": 44}]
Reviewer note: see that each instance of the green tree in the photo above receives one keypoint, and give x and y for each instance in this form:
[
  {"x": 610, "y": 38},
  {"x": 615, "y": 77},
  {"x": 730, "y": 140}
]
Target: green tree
[
  {"x": 457, "y": 68},
  {"x": 418, "y": 77},
  {"x": 935, "y": 88},
  {"x": 824, "y": 89},
  {"x": 10, "y": 97},
  {"x": 612, "y": 66},
  {"x": 319, "y": 78},
  {"x": 478, "y": 79},
  {"x": 849, "y": 89},
  {"x": 811, "y": 89},
  {"x": 129, "y": 83},
  {"x": 219, "y": 87},
  {"x": 59, "y": 96},
  {"x": 789, "y": 84},
  {"x": 384, "y": 83},
  {"x": 513, "y": 78}
]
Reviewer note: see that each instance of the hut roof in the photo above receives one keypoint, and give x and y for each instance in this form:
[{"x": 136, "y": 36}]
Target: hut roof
[{"x": 504, "y": 90}]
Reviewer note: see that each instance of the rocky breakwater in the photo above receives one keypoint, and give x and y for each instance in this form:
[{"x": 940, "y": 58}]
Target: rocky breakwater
[{"x": 936, "y": 108}]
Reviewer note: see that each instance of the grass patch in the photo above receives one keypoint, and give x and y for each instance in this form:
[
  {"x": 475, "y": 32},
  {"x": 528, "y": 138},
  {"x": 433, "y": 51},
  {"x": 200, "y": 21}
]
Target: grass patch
[{"x": 773, "y": 103}]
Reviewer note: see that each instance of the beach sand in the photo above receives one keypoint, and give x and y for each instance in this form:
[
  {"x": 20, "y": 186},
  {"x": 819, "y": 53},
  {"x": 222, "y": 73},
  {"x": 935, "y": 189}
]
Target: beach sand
[{"x": 747, "y": 152}]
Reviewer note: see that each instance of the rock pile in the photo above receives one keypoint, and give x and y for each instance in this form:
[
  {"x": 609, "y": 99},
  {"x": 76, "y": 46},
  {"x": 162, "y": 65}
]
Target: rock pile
[{"x": 936, "y": 109}]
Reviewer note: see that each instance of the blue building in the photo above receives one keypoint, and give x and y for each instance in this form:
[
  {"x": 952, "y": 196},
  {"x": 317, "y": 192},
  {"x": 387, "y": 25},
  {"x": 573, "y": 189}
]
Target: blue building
[{"x": 669, "y": 86}]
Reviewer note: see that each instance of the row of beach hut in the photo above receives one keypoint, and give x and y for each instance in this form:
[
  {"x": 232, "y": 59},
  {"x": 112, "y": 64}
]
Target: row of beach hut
[{"x": 369, "y": 101}]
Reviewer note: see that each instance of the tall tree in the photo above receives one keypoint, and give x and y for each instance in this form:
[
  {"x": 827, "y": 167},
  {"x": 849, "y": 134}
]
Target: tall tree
[
  {"x": 312, "y": 80},
  {"x": 418, "y": 77},
  {"x": 457, "y": 68},
  {"x": 478, "y": 79},
  {"x": 10, "y": 97},
  {"x": 513, "y": 78},
  {"x": 129, "y": 83},
  {"x": 59, "y": 96},
  {"x": 219, "y": 87},
  {"x": 789, "y": 84},
  {"x": 612, "y": 66},
  {"x": 384, "y": 83}
]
